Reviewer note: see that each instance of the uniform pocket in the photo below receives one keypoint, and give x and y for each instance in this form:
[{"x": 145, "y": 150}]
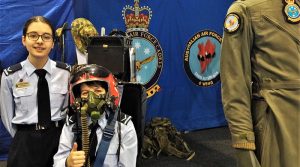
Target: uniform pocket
[
  {"x": 112, "y": 155},
  {"x": 113, "y": 149},
  {"x": 58, "y": 93},
  {"x": 259, "y": 111},
  {"x": 24, "y": 99}
]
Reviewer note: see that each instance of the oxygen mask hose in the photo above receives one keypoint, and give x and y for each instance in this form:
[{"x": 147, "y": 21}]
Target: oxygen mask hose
[{"x": 84, "y": 131}]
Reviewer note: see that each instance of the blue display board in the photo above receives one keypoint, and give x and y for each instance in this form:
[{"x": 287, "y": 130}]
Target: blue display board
[{"x": 178, "y": 44}]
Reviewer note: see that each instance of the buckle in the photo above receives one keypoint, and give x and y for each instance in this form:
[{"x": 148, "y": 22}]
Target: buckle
[
  {"x": 39, "y": 127},
  {"x": 108, "y": 133}
]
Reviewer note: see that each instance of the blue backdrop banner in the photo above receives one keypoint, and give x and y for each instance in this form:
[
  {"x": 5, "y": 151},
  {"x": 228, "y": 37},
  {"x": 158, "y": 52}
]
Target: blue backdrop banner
[{"x": 177, "y": 47}]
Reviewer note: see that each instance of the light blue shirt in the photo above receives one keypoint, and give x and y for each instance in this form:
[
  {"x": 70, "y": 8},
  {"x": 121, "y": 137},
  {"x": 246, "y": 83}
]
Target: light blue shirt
[
  {"x": 19, "y": 94},
  {"x": 128, "y": 148}
]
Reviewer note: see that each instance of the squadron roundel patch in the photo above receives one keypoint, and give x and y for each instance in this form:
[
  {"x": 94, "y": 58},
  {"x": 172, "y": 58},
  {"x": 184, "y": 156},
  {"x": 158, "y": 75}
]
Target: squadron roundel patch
[{"x": 232, "y": 23}]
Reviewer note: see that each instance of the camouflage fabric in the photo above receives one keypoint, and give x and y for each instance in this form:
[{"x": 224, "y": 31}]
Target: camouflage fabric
[
  {"x": 81, "y": 30},
  {"x": 161, "y": 137}
]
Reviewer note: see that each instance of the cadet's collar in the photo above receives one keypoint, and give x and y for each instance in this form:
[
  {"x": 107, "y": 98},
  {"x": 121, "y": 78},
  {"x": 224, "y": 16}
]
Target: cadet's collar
[
  {"x": 102, "y": 121},
  {"x": 47, "y": 66},
  {"x": 29, "y": 68}
]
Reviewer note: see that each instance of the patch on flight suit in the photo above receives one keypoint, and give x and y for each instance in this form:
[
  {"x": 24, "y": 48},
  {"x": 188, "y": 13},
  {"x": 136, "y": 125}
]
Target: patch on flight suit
[
  {"x": 12, "y": 69},
  {"x": 232, "y": 23},
  {"x": 292, "y": 12},
  {"x": 63, "y": 66}
]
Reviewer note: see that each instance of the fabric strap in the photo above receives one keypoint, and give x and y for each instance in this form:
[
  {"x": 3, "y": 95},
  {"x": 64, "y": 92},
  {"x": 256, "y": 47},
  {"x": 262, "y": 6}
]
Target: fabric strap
[{"x": 108, "y": 133}]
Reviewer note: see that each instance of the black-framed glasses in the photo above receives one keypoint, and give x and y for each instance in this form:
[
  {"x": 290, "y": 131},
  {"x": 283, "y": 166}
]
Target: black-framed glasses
[{"x": 35, "y": 36}]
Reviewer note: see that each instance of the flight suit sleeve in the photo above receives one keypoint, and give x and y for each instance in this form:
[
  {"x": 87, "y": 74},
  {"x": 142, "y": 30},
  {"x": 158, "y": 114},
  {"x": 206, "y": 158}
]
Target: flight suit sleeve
[
  {"x": 7, "y": 104},
  {"x": 235, "y": 72}
]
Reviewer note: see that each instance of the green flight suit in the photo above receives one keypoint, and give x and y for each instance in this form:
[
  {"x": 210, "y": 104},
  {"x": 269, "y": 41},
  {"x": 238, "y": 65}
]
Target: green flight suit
[{"x": 260, "y": 75}]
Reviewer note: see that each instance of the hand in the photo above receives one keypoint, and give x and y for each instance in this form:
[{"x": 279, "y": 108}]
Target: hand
[{"x": 76, "y": 158}]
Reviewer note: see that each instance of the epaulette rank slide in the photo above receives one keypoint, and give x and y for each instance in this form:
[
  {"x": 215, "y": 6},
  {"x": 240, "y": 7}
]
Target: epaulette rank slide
[
  {"x": 124, "y": 118},
  {"x": 63, "y": 66},
  {"x": 12, "y": 69}
]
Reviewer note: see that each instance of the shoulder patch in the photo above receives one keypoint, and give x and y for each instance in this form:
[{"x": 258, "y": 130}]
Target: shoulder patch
[
  {"x": 63, "y": 66},
  {"x": 232, "y": 23},
  {"x": 124, "y": 118},
  {"x": 12, "y": 69}
]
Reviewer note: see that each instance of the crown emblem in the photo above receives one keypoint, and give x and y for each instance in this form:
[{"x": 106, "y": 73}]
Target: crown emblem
[{"x": 136, "y": 17}]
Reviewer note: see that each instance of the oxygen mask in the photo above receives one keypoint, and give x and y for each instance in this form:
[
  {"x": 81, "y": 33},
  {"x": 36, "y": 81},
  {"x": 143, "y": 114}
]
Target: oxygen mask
[{"x": 94, "y": 105}]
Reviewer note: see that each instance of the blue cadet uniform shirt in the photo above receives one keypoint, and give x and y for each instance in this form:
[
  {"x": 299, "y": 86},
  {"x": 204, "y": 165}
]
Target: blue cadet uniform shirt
[
  {"x": 128, "y": 148},
  {"x": 19, "y": 94}
]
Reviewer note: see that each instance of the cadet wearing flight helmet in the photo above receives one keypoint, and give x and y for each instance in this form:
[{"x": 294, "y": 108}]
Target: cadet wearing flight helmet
[{"x": 93, "y": 89}]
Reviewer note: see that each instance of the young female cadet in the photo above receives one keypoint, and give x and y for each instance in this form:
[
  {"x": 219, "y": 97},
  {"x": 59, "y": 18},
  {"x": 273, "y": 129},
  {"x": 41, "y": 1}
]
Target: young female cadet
[{"x": 33, "y": 95}]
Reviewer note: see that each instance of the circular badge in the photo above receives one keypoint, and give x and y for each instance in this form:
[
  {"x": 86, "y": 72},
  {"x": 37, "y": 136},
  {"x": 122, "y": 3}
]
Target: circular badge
[
  {"x": 202, "y": 58},
  {"x": 149, "y": 60},
  {"x": 232, "y": 23},
  {"x": 292, "y": 11}
]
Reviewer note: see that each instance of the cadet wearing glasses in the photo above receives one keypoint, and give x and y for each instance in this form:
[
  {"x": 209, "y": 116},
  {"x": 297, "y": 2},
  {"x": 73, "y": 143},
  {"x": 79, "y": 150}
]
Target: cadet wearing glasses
[{"x": 32, "y": 118}]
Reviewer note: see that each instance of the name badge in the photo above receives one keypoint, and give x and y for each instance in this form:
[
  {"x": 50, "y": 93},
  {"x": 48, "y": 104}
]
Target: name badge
[{"x": 22, "y": 84}]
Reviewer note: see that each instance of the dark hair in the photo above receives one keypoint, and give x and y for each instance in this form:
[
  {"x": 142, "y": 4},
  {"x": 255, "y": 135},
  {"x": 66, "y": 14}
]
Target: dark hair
[
  {"x": 76, "y": 89},
  {"x": 37, "y": 19}
]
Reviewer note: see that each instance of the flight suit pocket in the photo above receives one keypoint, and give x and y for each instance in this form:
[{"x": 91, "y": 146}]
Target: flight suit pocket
[
  {"x": 24, "y": 99},
  {"x": 259, "y": 111},
  {"x": 292, "y": 32},
  {"x": 58, "y": 94}
]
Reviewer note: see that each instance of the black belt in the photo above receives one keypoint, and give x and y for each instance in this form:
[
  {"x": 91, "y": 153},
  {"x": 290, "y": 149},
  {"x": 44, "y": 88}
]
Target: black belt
[{"x": 53, "y": 124}]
